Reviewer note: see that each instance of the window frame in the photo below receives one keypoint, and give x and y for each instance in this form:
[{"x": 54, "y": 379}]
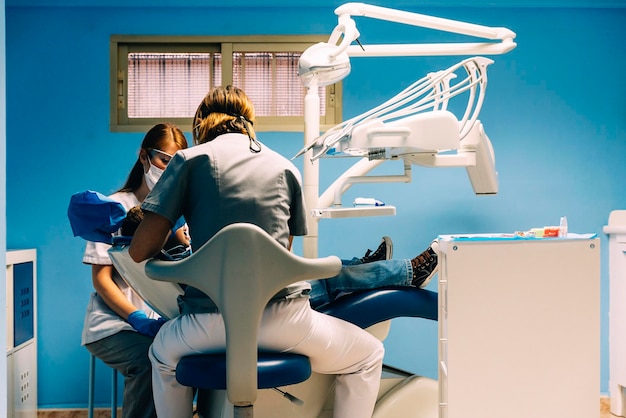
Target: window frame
[{"x": 121, "y": 45}]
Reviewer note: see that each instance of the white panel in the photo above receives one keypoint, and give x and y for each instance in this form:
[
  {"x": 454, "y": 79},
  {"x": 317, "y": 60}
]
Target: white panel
[
  {"x": 9, "y": 307},
  {"x": 24, "y": 372},
  {"x": 523, "y": 328},
  {"x": 616, "y": 229}
]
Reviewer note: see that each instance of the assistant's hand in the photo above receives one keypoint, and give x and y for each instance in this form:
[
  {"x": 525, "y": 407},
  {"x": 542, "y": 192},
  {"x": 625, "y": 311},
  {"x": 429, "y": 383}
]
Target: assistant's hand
[{"x": 144, "y": 325}]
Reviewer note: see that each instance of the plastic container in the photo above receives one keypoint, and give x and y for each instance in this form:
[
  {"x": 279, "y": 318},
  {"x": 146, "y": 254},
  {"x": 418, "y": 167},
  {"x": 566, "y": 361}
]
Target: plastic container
[{"x": 563, "y": 227}]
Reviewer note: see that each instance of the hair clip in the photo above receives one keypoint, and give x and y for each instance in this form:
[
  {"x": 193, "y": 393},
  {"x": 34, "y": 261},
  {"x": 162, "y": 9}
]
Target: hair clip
[{"x": 253, "y": 141}]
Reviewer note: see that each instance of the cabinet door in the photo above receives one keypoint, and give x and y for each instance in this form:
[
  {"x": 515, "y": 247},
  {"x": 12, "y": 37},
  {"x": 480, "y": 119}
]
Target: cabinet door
[
  {"x": 24, "y": 381},
  {"x": 522, "y": 325}
]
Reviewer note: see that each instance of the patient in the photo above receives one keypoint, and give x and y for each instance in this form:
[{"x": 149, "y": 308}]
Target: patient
[
  {"x": 374, "y": 270},
  {"x": 177, "y": 245}
]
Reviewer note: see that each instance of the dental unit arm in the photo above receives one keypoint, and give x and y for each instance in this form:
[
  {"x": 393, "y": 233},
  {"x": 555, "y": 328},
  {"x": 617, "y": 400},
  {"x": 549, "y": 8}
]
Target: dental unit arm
[
  {"x": 414, "y": 126},
  {"x": 347, "y": 28}
]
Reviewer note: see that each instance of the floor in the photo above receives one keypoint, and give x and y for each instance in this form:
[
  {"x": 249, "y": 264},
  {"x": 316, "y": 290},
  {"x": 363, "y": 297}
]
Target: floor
[
  {"x": 605, "y": 408},
  {"x": 106, "y": 413}
]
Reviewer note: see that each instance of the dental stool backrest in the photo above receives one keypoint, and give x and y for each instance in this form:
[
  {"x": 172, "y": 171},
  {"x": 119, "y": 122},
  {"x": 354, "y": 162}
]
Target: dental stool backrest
[
  {"x": 241, "y": 268},
  {"x": 160, "y": 296}
]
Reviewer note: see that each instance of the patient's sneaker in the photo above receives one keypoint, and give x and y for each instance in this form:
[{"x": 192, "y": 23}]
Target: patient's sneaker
[
  {"x": 383, "y": 252},
  {"x": 425, "y": 265}
]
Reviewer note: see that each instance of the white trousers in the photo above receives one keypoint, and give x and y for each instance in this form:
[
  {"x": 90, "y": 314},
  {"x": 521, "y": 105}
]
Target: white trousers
[{"x": 333, "y": 345}]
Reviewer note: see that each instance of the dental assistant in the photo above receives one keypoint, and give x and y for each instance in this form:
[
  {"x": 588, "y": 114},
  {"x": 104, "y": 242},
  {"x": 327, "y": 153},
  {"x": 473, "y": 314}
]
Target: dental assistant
[{"x": 119, "y": 327}]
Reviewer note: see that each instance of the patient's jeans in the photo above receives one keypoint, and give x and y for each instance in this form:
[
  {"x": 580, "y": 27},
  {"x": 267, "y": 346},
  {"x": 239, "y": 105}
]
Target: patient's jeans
[
  {"x": 356, "y": 276},
  {"x": 333, "y": 346}
]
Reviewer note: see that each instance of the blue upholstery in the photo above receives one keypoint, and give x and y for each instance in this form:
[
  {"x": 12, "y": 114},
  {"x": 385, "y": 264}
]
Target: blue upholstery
[
  {"x": 281, "y": 369},
  {"x": 274, "y": 370},
  {"x": 373, "y": 306}
]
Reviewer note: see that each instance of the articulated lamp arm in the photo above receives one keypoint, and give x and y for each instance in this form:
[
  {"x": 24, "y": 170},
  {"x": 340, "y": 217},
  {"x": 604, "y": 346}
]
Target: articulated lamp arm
[{"x": 350, "y": 33}]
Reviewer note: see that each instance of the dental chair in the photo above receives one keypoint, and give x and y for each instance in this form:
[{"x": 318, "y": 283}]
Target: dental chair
[
  {"x": 233, "y": 269},
  {"x": 402, "y": 393},
  {"x": 241, "y": 268}
]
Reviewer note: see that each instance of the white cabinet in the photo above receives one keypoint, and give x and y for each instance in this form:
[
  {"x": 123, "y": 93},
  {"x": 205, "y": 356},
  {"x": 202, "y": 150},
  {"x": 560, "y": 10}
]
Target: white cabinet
[
  {"x": 21, "y": 317},
  {"x": 617, "y": 311},
  {"x": 519, "y": 327}
]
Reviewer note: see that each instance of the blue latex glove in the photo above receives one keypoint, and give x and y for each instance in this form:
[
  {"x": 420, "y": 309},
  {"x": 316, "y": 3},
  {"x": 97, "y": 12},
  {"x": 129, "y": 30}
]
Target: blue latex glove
[{"x": 144, "y": 325}]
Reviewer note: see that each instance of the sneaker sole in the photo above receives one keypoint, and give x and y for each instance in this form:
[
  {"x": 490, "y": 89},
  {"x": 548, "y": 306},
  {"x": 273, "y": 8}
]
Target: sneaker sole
[
  {"x": 435, "y": 247},
  {"x": 388, "y": 247},
  {"x": 429, "y": 278}
]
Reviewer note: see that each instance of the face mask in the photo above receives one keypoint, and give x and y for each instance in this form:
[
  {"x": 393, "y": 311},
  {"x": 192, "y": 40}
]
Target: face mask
[{"x": 152, "y": 176}]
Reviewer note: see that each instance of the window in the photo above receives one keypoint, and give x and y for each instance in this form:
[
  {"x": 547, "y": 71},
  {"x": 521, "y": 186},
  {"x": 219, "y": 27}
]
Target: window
[{"x": 156, "y": 79}]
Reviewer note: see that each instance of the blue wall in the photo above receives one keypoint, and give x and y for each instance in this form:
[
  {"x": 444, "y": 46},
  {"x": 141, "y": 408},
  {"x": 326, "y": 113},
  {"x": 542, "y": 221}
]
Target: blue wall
[{"x": 555, "y": 112}]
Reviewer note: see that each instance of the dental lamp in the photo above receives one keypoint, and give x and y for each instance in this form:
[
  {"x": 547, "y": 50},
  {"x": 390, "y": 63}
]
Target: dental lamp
[
  {"x": 321, "y": 66},
  {"x": 414, "y": 126}
]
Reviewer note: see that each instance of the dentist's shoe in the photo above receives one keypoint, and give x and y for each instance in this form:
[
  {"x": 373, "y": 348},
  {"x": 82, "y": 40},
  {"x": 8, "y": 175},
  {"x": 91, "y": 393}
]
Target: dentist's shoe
[
  {"x": 383, "y": 252},
  {"x": 425, "y": 266}
]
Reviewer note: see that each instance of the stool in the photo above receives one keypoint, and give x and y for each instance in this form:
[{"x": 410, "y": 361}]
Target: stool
[
  {"x": 232, "y": 269},
  {"x": 92, "y": 378}
]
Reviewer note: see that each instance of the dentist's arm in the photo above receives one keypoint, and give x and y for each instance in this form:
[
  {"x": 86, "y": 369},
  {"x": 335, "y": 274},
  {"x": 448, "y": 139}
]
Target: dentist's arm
[{"x": 150, "y": 237}]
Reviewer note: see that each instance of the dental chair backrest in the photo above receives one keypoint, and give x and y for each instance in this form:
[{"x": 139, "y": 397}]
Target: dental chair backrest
[{"x": 241, "y": 268}]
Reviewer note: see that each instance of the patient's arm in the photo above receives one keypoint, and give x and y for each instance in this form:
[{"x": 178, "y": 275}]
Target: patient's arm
[{"x": 150, "y": 237}]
